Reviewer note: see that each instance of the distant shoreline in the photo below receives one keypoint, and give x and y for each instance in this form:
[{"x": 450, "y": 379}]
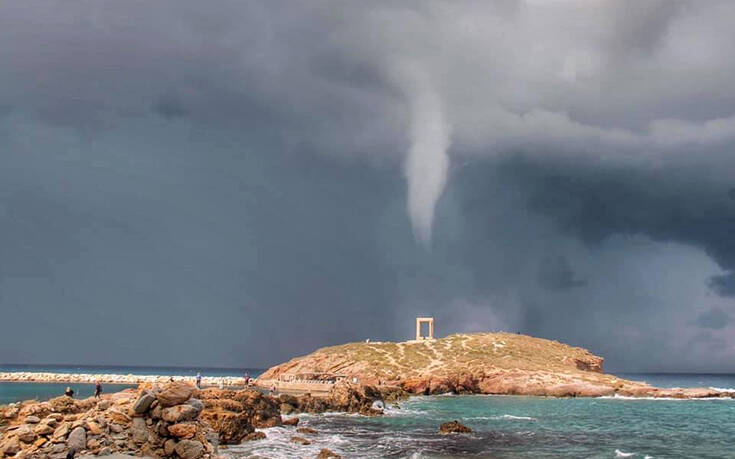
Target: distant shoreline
[{"x": 114, "y": 378}]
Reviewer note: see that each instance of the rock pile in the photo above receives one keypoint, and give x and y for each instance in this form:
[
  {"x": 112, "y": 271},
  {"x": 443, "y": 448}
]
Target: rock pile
[
  {"x": 172, "y": 420},
  {"x": 156, "y": 422},
  {"x": 344, "y": 397}
]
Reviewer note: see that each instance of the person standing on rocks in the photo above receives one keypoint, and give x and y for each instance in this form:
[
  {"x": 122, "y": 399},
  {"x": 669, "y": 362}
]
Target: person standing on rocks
[
  {"x": 69, "y": 392},
  {"x": 199, "y": 380},
  {"x": 97, "y": 388}
]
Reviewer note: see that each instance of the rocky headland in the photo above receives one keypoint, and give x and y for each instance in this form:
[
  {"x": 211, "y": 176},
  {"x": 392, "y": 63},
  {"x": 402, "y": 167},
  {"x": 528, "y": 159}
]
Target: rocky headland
[{"x": 478, "y": 363}]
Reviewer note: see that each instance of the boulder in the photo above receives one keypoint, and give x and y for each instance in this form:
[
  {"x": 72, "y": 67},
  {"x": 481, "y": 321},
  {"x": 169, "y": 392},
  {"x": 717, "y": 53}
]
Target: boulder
[
  {"x": 169, "y": 447},
  {"x": 291, "y": 422},
  {"x": 93, "y": 428},
  {"x": 93, "y": 444},
  {"x": 62, "y": 431},
  {"x": 453, "y": 427},
  {"x": 175, "y": 393},
  {"x": 189, "y": 449},
  {"x": 33, "y": 419},
  {"x": 43, "y": 429},
  {"x": 183, "y": 430},
  {"x": 196, "y": 403},
  {"x": 306, "y": 431},
  {"x": 327, "y": 454},
  {"x": 300, "y": 440},
  {"x": 180, "y": 413},
  {"x": 144, "y": 402},
  {"x": 77, "y": 440},
  {"x": 139, "y": 431},
  {"x": 25, "y": 434},
  {"x": 9, "y": 447},
  {"x": 102, "y": 405}
]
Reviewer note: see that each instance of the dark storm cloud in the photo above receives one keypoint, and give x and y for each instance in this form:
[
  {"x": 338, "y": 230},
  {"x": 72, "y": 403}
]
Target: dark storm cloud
[
  {"x": 723, "y": 284},
  {"x": 235, "y": 184},
  {"x": 715, "y": 318}
]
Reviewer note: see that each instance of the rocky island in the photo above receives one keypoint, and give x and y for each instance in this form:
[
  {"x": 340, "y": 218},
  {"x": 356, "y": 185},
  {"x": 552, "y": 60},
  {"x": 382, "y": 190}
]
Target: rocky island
[{"x": 477, "y": 363}]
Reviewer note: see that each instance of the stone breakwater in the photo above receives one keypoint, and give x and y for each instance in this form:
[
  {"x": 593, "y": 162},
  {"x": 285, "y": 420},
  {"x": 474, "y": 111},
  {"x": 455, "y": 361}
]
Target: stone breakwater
[
  {"x": 23, "y": 376},
  {"x": 174, "y": 420}
]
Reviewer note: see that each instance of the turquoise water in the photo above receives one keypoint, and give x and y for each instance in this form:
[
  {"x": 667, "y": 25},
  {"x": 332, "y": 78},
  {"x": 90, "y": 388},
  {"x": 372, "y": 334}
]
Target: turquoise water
[
  {"x": 527, "y": 427},
  {"x": 13, "y": 392},
  {"x": 521, "y": 427}
]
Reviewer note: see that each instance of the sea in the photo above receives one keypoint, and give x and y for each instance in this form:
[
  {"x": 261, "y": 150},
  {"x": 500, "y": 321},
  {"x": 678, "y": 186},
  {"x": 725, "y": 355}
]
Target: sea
[{"x": 503, "y": 426}]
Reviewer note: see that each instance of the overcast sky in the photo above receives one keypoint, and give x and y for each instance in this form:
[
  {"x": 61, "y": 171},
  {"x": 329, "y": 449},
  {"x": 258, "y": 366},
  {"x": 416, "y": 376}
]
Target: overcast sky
[{"x": 235, "y": 183}]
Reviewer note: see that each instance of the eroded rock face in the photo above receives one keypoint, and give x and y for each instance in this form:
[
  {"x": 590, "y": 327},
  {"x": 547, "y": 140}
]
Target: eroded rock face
[{"x": 231, "y": 427}]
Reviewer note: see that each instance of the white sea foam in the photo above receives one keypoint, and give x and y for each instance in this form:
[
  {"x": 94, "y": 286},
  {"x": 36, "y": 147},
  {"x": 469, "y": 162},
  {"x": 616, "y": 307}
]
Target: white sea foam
[
  {"x": 619, "y": 453},
  {"x": 625, "y": 397},
  {"x": 723, "y": 389},
  {"x": 278, "y": 445}
]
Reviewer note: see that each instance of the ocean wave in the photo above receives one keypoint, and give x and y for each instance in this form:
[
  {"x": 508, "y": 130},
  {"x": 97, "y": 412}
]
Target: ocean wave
[
  {"x": 625, "y": 397},
  {"x": 723, "y": 389},
  {"x": 278, "y": 445},
  {"x": 619, "y": 453}
]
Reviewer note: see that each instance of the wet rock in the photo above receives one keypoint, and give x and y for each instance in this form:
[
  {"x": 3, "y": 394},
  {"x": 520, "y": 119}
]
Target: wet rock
[
  {"x": 189, "y": 449},
  {"x": 300, "y": 440},
  {"x": 287, "y": 408},
  {"x": 253, "y": 436},
  {"x": 327, "y": 454},
  {"x": 291, "y": 422},
  {"x": 453, "y": 427},
  {"x": 183, "y": 430},
  {"x": 144, "y": 402},
  {"x": 175, "y": 393},
  {"x": 77, "y": 440},
  {"x": 306, "y": 431}
]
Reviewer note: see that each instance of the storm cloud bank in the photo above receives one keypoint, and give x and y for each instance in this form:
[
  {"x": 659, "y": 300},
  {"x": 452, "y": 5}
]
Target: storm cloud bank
[{"x": 271, "y": 177}]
